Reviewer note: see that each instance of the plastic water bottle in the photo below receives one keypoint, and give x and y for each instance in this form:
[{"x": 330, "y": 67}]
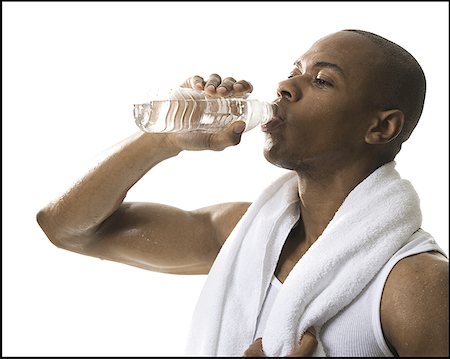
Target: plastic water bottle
[{"x": 184, "y": 110}]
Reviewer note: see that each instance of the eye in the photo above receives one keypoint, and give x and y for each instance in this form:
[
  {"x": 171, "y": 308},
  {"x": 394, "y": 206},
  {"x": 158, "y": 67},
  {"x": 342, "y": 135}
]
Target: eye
[{"x": 322, "y": 82}]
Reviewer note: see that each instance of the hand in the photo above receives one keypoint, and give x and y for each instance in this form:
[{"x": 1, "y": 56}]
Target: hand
[
  {"x": 216, "y": 141},
  {"x": 216, "y": 87},
  {"x": 230, "y": 136},
  {"x": 305, "y": 347}
]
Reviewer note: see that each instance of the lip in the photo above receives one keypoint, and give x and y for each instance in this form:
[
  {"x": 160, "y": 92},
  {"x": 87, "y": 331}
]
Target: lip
[{"x": 275, "y": 122}]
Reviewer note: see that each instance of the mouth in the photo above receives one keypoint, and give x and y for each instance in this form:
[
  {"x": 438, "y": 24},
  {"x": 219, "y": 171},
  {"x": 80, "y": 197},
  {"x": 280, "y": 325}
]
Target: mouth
[{"x": 275, "y": 122}]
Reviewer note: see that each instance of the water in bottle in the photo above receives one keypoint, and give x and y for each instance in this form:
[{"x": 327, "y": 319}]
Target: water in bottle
[{"x": 184, "y": 110}]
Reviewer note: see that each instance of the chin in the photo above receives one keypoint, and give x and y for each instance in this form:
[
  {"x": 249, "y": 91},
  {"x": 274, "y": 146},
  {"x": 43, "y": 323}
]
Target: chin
[
  {"x": 281, "y": 157},
  {"x": 278, "y": 160}
]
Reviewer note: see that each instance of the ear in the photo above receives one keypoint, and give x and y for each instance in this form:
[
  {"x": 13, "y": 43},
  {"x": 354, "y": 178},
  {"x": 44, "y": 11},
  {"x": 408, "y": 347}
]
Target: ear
[{"x": 385, "y": 127}]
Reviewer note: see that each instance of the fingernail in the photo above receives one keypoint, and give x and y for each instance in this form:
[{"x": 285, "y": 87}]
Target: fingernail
[
  {"x": 238, "y": 87},
  {"x": 222, "y": 89}
]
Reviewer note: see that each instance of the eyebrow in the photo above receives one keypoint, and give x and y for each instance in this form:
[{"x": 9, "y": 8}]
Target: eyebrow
[{"x": 324, "y": 64}]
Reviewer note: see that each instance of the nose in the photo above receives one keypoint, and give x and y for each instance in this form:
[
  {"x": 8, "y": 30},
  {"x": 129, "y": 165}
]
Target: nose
[{"x": 289, "y": 90}]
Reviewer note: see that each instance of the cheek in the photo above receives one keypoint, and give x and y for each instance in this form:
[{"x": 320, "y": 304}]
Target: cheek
[
  {"x": 320, "y": 129},
  {"x": 316, "y": 128},
  {"x": 313, "y": 124},
  {"x": 336, "y": 116}
]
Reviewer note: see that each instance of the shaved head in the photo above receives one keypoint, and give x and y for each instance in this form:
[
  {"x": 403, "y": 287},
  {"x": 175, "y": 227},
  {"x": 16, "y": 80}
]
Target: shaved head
[{"x": 398, "y": 81}]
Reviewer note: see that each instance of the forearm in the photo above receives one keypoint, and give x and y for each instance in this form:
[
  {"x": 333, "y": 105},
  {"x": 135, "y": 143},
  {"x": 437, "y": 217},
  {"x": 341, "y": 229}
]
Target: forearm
[
  {"x": 79, "y": 212},
  {"x": 102, "y": 190}
]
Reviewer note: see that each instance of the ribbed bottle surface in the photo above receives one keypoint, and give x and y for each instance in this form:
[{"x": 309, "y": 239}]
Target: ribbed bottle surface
[{"x": 189, "y": 110}]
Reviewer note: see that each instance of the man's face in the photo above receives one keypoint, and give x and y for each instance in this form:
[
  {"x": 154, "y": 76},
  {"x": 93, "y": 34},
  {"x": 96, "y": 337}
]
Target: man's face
[{"x": 324, "y": 104}]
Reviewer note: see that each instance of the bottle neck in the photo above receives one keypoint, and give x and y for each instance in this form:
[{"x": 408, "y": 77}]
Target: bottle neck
[
  {"x": 268, "y": 112},
  {"x": 259, "y": 113}
]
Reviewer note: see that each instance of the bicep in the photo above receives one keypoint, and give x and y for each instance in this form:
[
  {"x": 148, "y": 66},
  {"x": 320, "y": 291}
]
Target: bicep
[{"x": 161, "y": 238}]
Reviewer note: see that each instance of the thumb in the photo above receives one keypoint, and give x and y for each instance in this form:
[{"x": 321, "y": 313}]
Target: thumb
[
  {"x": 231, "y": 136},
  {"x": 255, "y": 349},
  {"x": 307, "y": 344}
]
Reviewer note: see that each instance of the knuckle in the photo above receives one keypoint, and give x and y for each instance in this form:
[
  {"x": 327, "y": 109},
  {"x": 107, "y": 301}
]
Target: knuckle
[
  {"x": 214, "y": 79},
  {"x": 196, "y": 79},
  {"x": 214, "y": 143},
  {"x": 228, "y": 83},
  {"x": 246, "y": 85},
  {"x": 229, "y": 79}
]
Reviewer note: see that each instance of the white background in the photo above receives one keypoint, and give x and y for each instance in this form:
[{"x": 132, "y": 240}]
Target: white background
[{"x": 71, "y": 74}]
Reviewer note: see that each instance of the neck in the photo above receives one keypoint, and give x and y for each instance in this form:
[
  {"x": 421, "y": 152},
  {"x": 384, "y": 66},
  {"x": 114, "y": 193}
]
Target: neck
[{"x": 323, "y": 190}]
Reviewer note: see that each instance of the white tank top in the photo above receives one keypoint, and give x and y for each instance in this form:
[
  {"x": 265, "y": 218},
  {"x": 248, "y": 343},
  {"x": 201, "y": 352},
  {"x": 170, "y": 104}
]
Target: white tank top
[{"x": 356, "y": 330}]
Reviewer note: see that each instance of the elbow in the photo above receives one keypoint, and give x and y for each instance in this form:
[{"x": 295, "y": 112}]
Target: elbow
[
  {"x": 45, "y": 221},
  {"x": 56, "y": 233}
]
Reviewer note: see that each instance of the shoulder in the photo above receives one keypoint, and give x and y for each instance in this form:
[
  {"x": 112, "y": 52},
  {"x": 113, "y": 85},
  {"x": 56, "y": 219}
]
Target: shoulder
[{"x": 414, "y": 306}]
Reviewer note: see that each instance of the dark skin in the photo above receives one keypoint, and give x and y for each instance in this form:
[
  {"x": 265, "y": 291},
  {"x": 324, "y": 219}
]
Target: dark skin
[
  {"x": 304, "y": 348},
  {"x": 330, "y": 134}
]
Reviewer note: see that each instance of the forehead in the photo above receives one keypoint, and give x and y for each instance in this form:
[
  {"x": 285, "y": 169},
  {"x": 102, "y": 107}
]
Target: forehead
[{"x": 350, "y": 51}]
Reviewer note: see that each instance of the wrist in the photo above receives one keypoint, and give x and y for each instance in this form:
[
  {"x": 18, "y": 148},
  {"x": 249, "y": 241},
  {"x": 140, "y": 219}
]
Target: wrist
[{"x": 161, "y": 142}]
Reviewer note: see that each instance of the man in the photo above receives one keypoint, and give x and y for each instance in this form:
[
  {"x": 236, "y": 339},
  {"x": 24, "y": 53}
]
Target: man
[{"x": 344, "y": 112}]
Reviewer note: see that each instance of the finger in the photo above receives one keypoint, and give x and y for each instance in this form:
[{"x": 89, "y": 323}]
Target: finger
[
  {"x": 242, "y": 88},
  {"x": 255, "y": 349},
  {"x": 231, "y": 136},
  {"x": 226, "y": 86},
  {"x": 212, "y": 83},
  {"x": 196, "y": 82},
  {"x": 307, "y": 345}
]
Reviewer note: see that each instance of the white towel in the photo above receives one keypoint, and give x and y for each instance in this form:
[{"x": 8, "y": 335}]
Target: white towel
[{"x": 376, "y": 219}]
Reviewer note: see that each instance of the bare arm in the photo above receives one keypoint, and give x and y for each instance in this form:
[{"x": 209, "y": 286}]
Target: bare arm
[
  {"x": 91, "y": 217},
  {"x": 414, "y": 306}
]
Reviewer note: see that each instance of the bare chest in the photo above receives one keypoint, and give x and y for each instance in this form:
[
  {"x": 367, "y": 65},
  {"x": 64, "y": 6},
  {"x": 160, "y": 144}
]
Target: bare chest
[{"x": 294, "y": 248}]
